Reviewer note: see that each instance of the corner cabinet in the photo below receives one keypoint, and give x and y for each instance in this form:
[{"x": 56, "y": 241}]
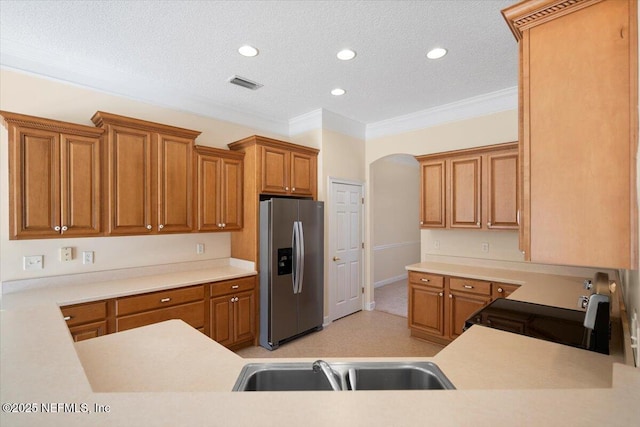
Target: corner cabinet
[
  {"x": 578, "y": 98},
  {"x": 54, "y": 178},
  {"x": 439, "y": 305},
  {"x": 219, "y": 188},
  {"x": 149, "y": 176},
  {"x": 271, "y": 168},
  {"x": 470, "y": 189}
]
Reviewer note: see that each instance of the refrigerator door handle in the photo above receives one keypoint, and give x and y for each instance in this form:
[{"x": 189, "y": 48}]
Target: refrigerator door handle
[
  {"x": 301, "y": 258},
  {"x": 294, "y": 245}
]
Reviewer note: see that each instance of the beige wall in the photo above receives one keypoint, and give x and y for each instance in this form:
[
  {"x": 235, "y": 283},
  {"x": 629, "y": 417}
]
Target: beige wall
[{"x": 26, "y": 94}]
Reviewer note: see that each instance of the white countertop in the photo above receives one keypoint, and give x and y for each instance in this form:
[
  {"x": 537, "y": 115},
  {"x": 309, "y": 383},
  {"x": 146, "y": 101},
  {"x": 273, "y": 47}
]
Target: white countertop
[{"x": 174, "y": 375}]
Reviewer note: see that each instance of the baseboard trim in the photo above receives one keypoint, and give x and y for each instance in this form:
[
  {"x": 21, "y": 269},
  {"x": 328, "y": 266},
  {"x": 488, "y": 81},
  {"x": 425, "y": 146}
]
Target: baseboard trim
[{"x": 390, "y": 280}]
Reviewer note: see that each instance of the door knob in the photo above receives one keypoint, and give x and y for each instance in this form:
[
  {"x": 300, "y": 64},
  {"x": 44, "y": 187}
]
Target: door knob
[{"x": 336, "y": 258}]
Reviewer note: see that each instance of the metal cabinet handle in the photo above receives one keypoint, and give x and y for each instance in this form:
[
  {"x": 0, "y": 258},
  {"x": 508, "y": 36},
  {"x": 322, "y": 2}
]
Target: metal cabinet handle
[
  {"x": 440, "y": 294},
  {"x": 450, "y": 296},
  {"x": 286, "y": 188},
  {"x": 518, "y": 216},
  {"x": 500, "y": 290},
  {"x": 149, "y": 227},
  {"x": 224, "y": 225},
  {"x": 161, "y": 226},
  {"x": 56, "y": 228},
  {"x": 478, "y": 223},
  {"x": 64, "y": 228},
  {"x": 67, "y": 318},
  {"x": 468, "y": 287},
  {"x": 489, "y": 224},
  {"x": 421, "y": 222},
  {"x": 293, "y": 189},
  {"x": 425, "y": 280},
  {"x": 235, "y": 286},
  {"x": 165, "y": 300}
]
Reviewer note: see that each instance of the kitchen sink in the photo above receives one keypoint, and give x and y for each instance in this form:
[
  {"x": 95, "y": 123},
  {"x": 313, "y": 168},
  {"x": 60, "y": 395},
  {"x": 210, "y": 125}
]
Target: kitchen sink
[{"x": 351, "y": 376}]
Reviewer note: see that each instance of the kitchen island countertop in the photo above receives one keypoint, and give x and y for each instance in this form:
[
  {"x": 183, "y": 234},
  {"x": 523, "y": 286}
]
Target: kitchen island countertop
[{"x": 174, "y": 375}]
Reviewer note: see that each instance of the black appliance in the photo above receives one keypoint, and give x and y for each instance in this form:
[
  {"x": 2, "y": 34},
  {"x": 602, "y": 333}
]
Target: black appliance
[{"x": 559, "y": 325}]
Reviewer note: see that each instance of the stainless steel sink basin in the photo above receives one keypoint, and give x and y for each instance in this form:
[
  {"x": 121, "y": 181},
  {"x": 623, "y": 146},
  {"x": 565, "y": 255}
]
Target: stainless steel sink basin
[{"x": 349, "y": 375}]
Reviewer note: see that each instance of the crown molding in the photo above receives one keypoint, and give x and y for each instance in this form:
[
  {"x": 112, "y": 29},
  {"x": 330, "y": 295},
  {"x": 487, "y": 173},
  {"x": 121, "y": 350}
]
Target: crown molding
[
  {"x": 325, "y": 119},
  {"x": 482, "y": 105}
]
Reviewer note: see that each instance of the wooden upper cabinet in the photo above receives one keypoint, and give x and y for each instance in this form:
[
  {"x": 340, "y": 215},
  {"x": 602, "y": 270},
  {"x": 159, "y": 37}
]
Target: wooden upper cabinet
[
  {"x": 149, "y": 175},
  {"x": 54, "y": 179},
  {"x": 465, "y": 204},
  {"x": 578, "y": 130},
  {"x": 432, "y": 196},
  {"x": 475, "y": 188},
  {"x": 287, "y": 171},
  {"x": 219, "y": 189}
]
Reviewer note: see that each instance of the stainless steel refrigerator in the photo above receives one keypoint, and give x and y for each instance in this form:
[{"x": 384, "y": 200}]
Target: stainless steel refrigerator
[{"x": 291, "y": 269}]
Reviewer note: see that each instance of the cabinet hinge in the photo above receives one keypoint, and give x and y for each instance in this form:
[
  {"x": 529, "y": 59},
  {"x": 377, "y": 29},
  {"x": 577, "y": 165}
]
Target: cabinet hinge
[
  {"x": 362, "y": 245},
  {"x": 363, "y": 200}
]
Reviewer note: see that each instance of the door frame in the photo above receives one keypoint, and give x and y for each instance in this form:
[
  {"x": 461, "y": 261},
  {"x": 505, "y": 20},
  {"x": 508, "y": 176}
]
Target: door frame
[{"x": 330, "y": 242}]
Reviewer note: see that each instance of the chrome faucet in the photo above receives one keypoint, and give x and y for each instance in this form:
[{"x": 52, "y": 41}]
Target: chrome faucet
[{"x": 321, "y": 365}]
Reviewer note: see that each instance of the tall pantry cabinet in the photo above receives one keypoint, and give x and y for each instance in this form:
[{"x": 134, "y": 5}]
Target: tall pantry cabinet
[{"x": 578, "y": 130}]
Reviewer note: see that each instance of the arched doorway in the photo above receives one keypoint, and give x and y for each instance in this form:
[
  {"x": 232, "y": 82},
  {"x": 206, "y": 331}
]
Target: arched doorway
[{"x": 395, "y": 201}]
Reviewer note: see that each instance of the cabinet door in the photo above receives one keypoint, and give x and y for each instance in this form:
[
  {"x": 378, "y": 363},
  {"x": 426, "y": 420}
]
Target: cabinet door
[
  {"x": 303, "y": 174},
  {"x": 275, "y": 170},
  {"x": 174, "y": 183},
  {"x": 432, "y": 194},
  {"x": 461, "y": 306},
  {"x": 35, "y": 183},
  {"x": 88, "y": 330},
  {"x": 209, "y": 187},
  {"x": 244, "y": 317},
  {"x": 426, "y": 309},
  {"x": 80, "y": 185},
  {"x": 465, "y": 181},
  {"x": 503, "y": 290},
  {"x": 129, "y": 155},
  {"x": 231, "y": 195},
  {"x": 222, "y": 319},
  {"x": 502, "y": 190}
]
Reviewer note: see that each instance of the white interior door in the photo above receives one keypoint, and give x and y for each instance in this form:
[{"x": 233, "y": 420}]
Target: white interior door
[{"x": 345, "y": 249}]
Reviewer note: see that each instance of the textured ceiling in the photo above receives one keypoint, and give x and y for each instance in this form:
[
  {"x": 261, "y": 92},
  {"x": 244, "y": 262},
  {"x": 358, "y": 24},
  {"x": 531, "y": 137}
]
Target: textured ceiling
[{"x": 181, "y": 53}]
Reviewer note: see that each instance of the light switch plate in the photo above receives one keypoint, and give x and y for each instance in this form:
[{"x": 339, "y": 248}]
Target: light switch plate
[{"x": 200, "y": 248}]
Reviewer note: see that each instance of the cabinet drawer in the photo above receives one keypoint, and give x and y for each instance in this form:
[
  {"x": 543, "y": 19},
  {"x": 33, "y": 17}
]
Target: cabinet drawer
[
  {"x": 232, "y": 286},
  {"x": 468, "y": 285},
  {"x": 155, "y": 300},
  {"x": 89, "y": 330},
  {"x": 84, "y": 313},
  {"x": 192, "y": 313},
  {"x": 427, "y": 279}
]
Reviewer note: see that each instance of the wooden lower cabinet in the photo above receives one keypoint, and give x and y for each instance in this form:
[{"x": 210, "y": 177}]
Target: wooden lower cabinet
[
  {"x": 439, "y": 305},
  {"x": 233, "y": 315},
  {"x": 226, "y": 311}
]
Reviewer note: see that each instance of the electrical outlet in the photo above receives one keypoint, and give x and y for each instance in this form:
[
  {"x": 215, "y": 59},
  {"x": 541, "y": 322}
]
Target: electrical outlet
[
  {"x": 436, "y": 244},
  {"x": 200, "y": 248},
  {"x": 485, "y": 247},
  {"x": 66, "y": 254},
  {"x": 33, "y": 262},
  {"x": 87, "y": 257}
]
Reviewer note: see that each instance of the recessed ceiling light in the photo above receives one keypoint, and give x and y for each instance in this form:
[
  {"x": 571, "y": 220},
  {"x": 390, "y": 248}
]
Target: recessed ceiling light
[
  {"x": 247, "y": 50},
  {"x": 338, "y": 92},
  {"x": 346, "y": 54},
  {"x": 436, "y": 53}
]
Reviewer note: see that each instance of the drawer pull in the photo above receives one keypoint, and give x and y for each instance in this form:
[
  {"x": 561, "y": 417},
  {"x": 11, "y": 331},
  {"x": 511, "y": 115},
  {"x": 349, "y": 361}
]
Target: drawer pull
[
  {"x": 235, "y": 286},
  {"x": 500, "y": 290},
  {"x": 165, "y": 300},
  {"x": 67, "y": 318},
  {"x": 468, "y": 287},
  {"x": 425, "y": 280},
  {"x": 440, "y": 294}
]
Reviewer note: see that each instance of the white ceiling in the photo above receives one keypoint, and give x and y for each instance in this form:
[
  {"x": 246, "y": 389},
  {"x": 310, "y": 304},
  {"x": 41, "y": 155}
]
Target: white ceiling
[{"x": 181, "y": 53}]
